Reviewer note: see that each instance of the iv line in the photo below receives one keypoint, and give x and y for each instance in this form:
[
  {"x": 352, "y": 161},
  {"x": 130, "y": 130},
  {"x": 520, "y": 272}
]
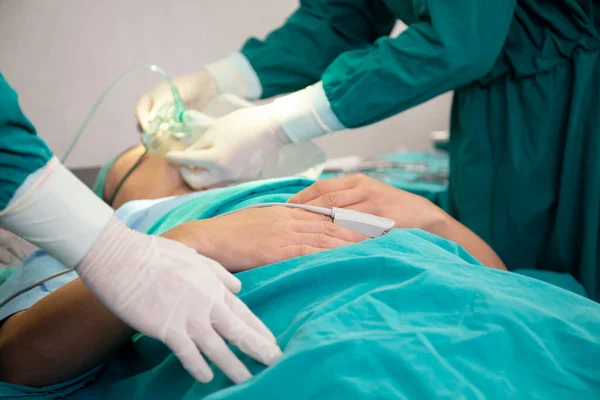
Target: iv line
[{"x": 154, "y": 68}]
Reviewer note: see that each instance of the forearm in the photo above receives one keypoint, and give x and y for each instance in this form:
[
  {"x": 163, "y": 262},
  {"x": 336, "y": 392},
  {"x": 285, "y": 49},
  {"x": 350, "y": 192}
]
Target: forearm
[
  {"x": 60, "y": 337},
  {"x": 449, "y": 228},
  {"x": 453, "y": 44},
  {"x": 296, "y": 54}
]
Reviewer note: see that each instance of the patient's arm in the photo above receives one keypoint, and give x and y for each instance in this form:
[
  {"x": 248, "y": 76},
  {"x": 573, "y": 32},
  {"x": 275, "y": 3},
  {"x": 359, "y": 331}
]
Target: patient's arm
[
  {"x": 361, "y": 193},
  {"x": 70, "y": 331},
  {"x": 60, "y": 337}
]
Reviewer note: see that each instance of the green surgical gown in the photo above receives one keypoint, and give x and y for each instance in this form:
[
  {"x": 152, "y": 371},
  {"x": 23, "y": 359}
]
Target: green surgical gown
[
  {"x": 525, "y": 126},
  {"x": 22, "y": 152}
]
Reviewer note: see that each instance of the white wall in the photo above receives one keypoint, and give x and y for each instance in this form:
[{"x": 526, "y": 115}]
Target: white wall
[{"x": 61, "y": 54}]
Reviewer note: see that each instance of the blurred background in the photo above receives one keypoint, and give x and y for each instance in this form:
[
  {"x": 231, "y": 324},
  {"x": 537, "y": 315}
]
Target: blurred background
[{"x": 60, "y": 55}]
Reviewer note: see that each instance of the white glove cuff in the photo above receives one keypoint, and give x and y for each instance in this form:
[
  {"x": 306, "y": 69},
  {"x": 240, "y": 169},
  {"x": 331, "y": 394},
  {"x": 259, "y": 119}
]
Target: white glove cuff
[
  {"x": 58, "y": 213},
  {"x": 235, "y": 75},
  {"x": 306, "y": 114}
]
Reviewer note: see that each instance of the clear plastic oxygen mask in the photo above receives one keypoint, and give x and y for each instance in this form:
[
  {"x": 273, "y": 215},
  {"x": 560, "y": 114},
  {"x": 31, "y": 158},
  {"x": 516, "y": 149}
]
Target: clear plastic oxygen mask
[
  {"x": 172, "y": 127},
  {"x": 174, "y": 130}
]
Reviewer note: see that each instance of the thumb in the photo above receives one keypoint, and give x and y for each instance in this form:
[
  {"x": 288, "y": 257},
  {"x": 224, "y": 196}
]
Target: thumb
[
  {"x": 208, "y": 158},
  {"x": 198, "y": 179}
]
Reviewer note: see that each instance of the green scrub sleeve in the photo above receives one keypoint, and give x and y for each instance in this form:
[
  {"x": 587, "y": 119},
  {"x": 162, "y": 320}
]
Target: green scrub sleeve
[
  {"x": 22, "y": 152},
  {"x": 295, "y": 55},
  {"x": 452, "y": 44}
]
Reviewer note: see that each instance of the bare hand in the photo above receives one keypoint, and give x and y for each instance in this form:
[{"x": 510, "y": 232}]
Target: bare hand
[
  {"x": 251, "y": 238},
  {"x": 365, "y": 194}
]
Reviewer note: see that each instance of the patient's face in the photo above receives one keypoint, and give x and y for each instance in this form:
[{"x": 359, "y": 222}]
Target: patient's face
[{"x": 154, "y": 178}]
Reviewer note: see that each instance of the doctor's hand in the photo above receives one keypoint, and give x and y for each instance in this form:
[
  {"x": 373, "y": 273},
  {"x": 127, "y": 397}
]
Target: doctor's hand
[
  {"x": 252, "y": 238},
  {"x": 166, "y": 290},
  {"x": 13, "y": 249},
  {"x": 365, "y": 194},
  {"x": 233, "y": 149},
  {"x": 196, "y": 90}
]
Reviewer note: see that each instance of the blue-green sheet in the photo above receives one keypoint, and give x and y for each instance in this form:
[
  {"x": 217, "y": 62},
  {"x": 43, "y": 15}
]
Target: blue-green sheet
[{"x": 409, "y": 315}]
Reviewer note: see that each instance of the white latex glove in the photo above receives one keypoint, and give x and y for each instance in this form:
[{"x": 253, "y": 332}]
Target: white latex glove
[
  {"x": 232, "y": 75},
  {"x": 160, "y": 287},
  {"x": 168, "y": 291},
  {"x": 233, "y": 149},
  {"x": 13, "y": 249},
  {"x": 238, "y": 145},
  {"x": 196, "y": 90}
]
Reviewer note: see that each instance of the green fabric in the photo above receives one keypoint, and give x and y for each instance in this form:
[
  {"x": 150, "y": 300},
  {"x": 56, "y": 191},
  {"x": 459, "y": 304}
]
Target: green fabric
[
  {"x": 6, "y": 272},
  {"x": 297, "y": 54},
  {"x": 524, "y": 129},
  {"x": 98, "y": 186},
  {"x": 22, "y": 152},
  {"x": 435, "y": 162},
  {"x": 408, "y": 315}
]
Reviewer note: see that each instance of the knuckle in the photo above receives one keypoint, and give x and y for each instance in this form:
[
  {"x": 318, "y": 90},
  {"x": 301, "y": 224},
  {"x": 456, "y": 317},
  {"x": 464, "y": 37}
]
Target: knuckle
[
  {"x": 210, "y": 346},
  {"x": 330, "y": 199},
  {"x": 329, "y": 227},
  {"x": 357, "y": 237},
  {"x": 304, "y": 250},
  {"x": 319, "y": 187},
  {"x": 322, "y": 240}
]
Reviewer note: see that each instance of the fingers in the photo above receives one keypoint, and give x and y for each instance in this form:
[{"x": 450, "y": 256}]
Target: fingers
[
  {"x": 340, "y": 199},
  {"x": 191, "y": 359},
  {"x": 303, "y": 215},
  {"x": 5, "y": 256},
  {"x": 231, "y": 282},
  {"x": 242, "y": 311},
  {"x": 208, "y": 158},
  {"x": 199, "y": 178},
  {"x": 321, "y": 187},
  {"x": 217, "y": 351},
  {"x": 205, "y": 141},
  {"x": 298, "y": 251},
  {"x": 330, "y": 231},
  {"x": 233, "y": 328}
]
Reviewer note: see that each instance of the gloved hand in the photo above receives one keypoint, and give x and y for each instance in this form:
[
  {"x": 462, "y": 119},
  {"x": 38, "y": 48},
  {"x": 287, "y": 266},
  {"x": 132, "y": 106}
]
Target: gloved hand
[
  {"x": 232, "y": 75},
  {"x": 236, "y": 147},
  {"x": 160, "y": 287},
  {"x": 196, "y": 90},
  {"x": 233, "y": 149},
  {"x": 168, "y": 291},
  {"x": 13, "y": 249}
]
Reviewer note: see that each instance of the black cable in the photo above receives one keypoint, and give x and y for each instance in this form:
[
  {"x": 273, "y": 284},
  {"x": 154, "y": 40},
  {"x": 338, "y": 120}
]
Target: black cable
[{"x": 129, "y": 172}]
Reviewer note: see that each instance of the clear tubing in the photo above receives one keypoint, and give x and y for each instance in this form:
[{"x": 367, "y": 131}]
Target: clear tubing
[{"x": 179, "y": 106}]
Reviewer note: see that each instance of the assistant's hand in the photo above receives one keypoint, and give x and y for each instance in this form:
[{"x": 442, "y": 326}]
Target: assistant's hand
[
  {"x": 196, "y": 90},
  {"x": 251, "y": 238},
  {"x": 365, "y": 194},
  {"x": 361, "y": 193},
  {"x": 168, "y": 291},
  {"x": 233, "y": 149},
  {"x": 13, "y": 248}
]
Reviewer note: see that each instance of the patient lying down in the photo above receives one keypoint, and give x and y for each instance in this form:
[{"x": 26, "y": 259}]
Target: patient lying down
[{"x": 69, "y": 331}]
